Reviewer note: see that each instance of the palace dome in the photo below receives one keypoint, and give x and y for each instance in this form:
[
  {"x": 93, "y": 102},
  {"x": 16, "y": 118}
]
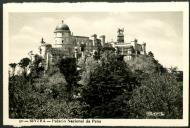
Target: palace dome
[{"x": 62, "y": 27}]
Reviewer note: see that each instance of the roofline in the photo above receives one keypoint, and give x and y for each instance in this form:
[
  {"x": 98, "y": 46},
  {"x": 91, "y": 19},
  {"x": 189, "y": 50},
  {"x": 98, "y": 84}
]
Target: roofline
[
  {"x": 62, "y": 31},
  {"x": 82, "y": 36}
]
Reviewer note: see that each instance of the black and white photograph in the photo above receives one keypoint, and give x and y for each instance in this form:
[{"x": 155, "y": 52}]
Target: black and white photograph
[{"x": 89, "y": 67}]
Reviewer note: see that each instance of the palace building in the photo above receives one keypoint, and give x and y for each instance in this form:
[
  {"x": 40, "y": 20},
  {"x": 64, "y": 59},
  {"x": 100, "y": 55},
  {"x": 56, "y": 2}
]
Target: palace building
[
  {"x": 68, "y": 45},
  {"x": 129, "y": 50}
]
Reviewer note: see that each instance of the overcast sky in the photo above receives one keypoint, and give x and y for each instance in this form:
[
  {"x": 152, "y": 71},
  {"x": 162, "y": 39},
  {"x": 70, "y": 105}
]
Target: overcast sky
[{"x": 162, "y": 31}]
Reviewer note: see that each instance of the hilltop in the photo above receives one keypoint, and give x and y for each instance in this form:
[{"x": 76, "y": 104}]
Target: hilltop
[{"x": 100, "y": 86}]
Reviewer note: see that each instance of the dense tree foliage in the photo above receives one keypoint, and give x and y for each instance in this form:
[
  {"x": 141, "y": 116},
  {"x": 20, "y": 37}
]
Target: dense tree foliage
[
  {"x": 44, "y": 98},
  {"x": 13, "y": 66},
  {"x": 24, "y": 63},
  {"x": 110, "y": 85},
  {"x": 88, "y": 67},
  {"x": 147, "y": 64},
  {"x": 68, "y": 68},
  {"x": 158, "y": 93},
  {"x": 38, "y": 66},
  {"x": 177, "y": 74},
  {"x": 99, "y": 86}
]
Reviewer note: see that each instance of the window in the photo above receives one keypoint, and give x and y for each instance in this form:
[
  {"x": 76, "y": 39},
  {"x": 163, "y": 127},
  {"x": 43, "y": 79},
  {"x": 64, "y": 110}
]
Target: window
[{"x": 59, "y": 34}]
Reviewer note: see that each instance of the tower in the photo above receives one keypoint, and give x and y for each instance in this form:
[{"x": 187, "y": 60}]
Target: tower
[
  {"x": 102, "y": 37},
  {"x": 82, "y": 48},
  {"x": 94, "y": 42},
  {"x": 63, "y": 39},
  {"x": 94, "y": 39},
  {"x": 120, "y": 35},
  {"x": 76, "y": 53},
  {"x": 144, "y": 48},
  {"x": 42, "y": 48},
  {"x": 134, "y": 43},
  {"x": 62, "y": 35}
]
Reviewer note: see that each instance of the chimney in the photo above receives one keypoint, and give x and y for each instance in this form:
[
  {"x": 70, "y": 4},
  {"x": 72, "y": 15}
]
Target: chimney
[
  {"x": 94, "y": 38},
  {"x": 102, "y": 37},
  {"x": 76, "y": 53},
  {"x": 144, "y": 48},
  {"x": 135, "y": 45}
]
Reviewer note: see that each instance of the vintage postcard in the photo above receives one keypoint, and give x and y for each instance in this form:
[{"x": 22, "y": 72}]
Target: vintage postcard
[{"x": 96, "y": 64}]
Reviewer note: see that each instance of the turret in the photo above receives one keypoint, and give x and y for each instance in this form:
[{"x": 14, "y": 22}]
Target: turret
[
  {"x": 120, "y": 35},
  {"x": 42, "y": 48},
  {"x": 135, "y": 45},
  {"x": 83, "y": 45},
  {"x": 62, "y": 34},
  {"x": 76, "y": 52},
  {"x": 94, "y": 38},
  {"x": 144, "y": 48},
  {"x": 102, "y": 37}
]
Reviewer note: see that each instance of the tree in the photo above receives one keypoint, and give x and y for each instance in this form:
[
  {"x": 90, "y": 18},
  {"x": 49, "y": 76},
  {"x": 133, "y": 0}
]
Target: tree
[
  {"x": 13, "y": 66},
  {"x": 68, "y": 67},
  {"x": 88, "y": 68},
  {"x": 150, "y": 54},
  {"x": 146, "y": 64},
  {"x": 19, "y": 91},
  {"x": 109, "y": 85},
  {"x": 158, "y": 93},
  {"x": 38, "y": 66},
  {"x": 42, "y": 99},
  {"x": 176, "y": 73},
  {"x": 24, "y": 63},
  {"x": 57, "y": 84}
]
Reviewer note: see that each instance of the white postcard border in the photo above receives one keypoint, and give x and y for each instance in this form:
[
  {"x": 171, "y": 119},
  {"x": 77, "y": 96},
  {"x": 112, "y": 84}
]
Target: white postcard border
[{"x": 98, "y": 7}]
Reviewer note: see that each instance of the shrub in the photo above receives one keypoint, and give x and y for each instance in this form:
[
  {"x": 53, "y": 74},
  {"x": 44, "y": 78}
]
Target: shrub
[
  {"x": 158, "y": 93},
  {"x": 107, "y": 87}
]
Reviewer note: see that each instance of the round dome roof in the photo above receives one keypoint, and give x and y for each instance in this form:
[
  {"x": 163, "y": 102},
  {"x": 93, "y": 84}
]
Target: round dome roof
[{"x": 62, "y": 27}]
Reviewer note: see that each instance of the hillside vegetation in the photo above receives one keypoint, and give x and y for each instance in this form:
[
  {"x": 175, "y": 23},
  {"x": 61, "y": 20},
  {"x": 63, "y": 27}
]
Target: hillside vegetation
[{"x": 97, "y": 87}]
